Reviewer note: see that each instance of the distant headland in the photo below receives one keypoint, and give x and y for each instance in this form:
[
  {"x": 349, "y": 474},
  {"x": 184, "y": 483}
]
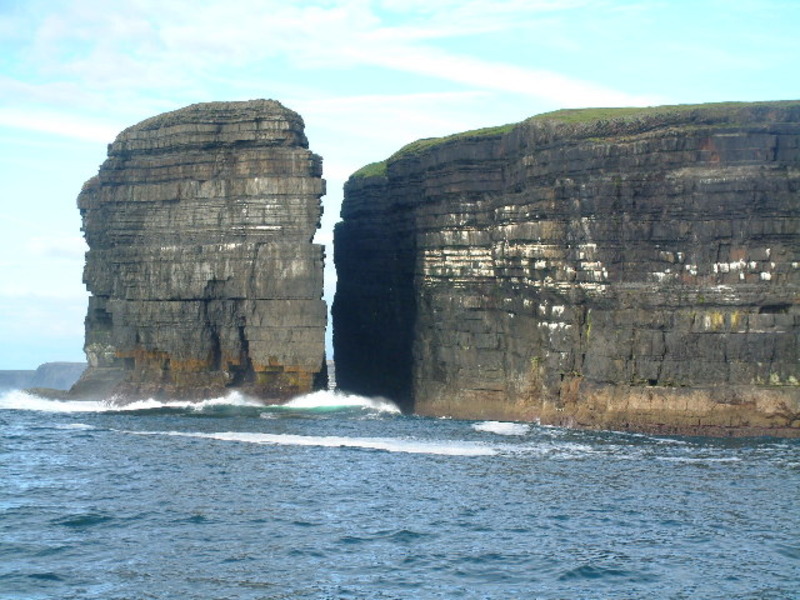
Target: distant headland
[{"x": 56, "y": 376}]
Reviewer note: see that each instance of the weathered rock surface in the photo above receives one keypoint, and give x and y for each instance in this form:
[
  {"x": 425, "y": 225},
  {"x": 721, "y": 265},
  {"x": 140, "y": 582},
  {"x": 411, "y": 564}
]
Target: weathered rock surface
[
  {"x": 624, "y": 268},
  {"x": 201, "y": 267}
]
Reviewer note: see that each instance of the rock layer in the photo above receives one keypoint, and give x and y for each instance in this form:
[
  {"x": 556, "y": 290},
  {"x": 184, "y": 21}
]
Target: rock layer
[
  {"x": 624, "y": 268},
  {"x": 201, "y": 267}
]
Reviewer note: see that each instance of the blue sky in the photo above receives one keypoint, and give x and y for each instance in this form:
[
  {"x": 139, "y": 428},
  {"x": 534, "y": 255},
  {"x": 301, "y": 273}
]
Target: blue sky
[{"x": 367, "y": 75}]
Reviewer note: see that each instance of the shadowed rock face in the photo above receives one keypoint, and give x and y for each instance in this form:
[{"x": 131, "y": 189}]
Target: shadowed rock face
[
  {"x": 640, "y": 270},
  {"x": 201, "y": 267}
]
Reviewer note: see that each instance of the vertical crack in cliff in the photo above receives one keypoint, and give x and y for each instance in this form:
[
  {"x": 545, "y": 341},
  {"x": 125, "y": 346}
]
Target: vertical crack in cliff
[{"x": 242, "y": 371}]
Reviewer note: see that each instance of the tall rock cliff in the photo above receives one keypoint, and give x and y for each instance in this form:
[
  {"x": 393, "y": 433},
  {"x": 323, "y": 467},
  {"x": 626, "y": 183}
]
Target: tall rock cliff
[
  {"x": 201, "y": 267},
  {"x": 611, "y": 268}
]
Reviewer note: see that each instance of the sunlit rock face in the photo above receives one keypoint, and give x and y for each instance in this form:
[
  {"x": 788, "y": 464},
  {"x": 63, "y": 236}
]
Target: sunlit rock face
[
  {"x": 628, "y": 269},
  {"x": 201, "y": 267}
]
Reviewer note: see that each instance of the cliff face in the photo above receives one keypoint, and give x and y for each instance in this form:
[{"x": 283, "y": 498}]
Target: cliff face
[
  {"x": 625, "y": 269},
  {"x": 201, "y": 269}
]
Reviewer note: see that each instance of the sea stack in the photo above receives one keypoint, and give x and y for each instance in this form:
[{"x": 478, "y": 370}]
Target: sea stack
[
  {"x": 630, "y": 269},
  {"x": 201, "y": 267}
]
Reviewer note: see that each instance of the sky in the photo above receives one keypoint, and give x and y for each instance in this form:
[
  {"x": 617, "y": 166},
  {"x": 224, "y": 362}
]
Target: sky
[{"x": 368, "y": 76}]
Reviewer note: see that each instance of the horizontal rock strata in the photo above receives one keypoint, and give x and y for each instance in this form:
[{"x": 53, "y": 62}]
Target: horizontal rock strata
[
  {"x": 623, "y": 268},
  {"x": 201, "y": 267}
]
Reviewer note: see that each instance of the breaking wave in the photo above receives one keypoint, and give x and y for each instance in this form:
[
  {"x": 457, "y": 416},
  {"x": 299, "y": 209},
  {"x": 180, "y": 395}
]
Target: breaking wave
[
  {"x": 327, "y": 400},
  {"x": 321, "y": 401},
  {"x": 20, "y": 400},
  {"x": 502, "y": 428}
]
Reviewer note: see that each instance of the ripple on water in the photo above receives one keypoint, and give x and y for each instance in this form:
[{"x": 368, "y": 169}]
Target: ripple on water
[
  {"x": 83, "y": 520},
  {"x": 48, "y": 576},
  {"x": 599, "y": 572}
]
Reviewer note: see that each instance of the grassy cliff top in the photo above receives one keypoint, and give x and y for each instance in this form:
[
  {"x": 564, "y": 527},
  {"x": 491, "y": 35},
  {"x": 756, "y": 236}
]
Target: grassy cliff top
[
  {"x": 378, "y": 169},
  {"x": 586, "y": 117},
  {"x": 712, "y": 110}
]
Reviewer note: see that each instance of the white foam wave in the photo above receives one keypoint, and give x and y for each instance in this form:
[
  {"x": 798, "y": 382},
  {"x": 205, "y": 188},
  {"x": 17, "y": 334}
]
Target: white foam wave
[
  {"x": 231, "y": 399},
  {"x": 409, "y": 446},
  {"x": 76, "y": 427},
  {"x": 19, "y": 400},
  {"x": 502, "y": 428},
  {"x": 333, "y": 400},
  {"x": 656, "y": 439},
  {"x": 546, "y": 451}
]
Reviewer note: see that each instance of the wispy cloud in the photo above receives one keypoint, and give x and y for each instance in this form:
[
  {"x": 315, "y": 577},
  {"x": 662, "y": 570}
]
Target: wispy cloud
[
  {"x": 427, "y": 20},
  {"x": 538, "y": 83},
  {"x": 390, "y": 117},
  {"x": 177, "y": 46},
  {"x": 62, "y": 124}
]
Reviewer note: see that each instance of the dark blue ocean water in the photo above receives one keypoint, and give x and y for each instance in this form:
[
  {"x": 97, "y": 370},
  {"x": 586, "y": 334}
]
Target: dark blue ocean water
[{"x": 231, "y": 500}]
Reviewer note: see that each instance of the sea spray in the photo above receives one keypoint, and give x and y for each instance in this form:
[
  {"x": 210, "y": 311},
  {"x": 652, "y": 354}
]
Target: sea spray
[
  {"x": 502, "y": 428},
  {"x": 328, "y": 400},
  {"x": 317, "y": 401},
  {"x": 22, "y": 400}
]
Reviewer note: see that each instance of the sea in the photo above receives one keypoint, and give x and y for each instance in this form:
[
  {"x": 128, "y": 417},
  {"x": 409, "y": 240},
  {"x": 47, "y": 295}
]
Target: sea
[{"x": 342, "y": 497}]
